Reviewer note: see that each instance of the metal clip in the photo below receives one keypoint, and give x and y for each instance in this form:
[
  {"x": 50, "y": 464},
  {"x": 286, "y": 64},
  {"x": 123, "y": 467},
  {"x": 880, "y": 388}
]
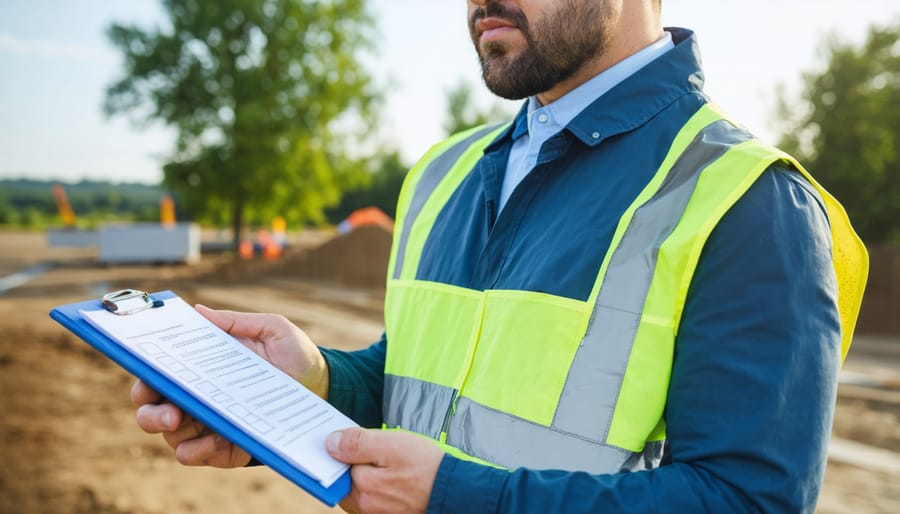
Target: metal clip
[{"x": 129, "y": 301}]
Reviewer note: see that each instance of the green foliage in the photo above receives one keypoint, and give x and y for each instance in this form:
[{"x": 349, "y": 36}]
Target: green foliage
[
  {"x": 381, "y": 189},
  {"x": 846, "y": 128},
  {"x": 8, "y": 215},
  {"x": 462, "y": 114},
  {"x": 30, "y": 204},
  {"x": 267, "y": 96}
]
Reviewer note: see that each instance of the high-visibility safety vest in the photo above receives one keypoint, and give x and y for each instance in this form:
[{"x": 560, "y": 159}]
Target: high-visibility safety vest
[{"x": 475, "y": 370}]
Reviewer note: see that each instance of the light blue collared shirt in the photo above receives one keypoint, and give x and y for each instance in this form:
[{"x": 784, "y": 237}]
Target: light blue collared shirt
[{"x": 545, "y": 121}]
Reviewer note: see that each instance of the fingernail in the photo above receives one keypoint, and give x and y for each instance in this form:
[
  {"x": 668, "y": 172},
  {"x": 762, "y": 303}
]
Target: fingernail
[
  {"x": 333, "y": 442},
  {"x": 167, "y": 420}
]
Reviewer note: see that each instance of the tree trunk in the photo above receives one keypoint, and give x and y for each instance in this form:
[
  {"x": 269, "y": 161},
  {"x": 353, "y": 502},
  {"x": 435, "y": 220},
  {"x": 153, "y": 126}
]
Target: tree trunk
[{"x": 237, "y": 221}]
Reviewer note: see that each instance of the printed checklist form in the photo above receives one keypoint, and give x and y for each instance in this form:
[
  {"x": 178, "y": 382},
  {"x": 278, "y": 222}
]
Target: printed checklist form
[{"x": 232, "y": 380}]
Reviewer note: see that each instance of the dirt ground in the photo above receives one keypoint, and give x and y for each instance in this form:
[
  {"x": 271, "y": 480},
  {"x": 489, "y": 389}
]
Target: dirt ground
[{"x": 69, "y": 445}]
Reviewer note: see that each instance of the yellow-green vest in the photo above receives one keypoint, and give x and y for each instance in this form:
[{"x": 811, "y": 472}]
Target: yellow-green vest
[{"x": 474, "y": 370}]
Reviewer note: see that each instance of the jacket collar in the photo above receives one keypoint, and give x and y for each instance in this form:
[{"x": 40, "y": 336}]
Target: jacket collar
[{"x": 633, "y": 101}]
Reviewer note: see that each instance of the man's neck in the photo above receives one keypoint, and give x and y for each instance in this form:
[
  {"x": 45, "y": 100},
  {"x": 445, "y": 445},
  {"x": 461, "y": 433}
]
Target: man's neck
[
  {"x": 643, "y": 28},
  {"x": 566, "y": 107}
]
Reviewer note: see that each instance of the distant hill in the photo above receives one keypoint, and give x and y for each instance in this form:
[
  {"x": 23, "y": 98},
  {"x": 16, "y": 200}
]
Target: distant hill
[{"x": 30, "y": 203}]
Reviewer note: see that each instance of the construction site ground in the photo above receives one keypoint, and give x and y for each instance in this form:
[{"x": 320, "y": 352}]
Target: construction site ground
[{"x": 69, "y": 444}]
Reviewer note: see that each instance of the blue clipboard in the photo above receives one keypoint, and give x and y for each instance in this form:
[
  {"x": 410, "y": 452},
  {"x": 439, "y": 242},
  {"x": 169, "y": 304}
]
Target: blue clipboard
[{"x": 70, "y": 317}]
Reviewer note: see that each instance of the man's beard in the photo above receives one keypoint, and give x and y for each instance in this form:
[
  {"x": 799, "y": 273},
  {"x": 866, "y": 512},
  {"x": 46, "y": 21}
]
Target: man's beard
[{"x": 557, "y": 46}]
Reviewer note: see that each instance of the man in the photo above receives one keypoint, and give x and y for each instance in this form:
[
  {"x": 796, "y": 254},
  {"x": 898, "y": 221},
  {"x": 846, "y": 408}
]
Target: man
[{"x": 618, "y": 302}]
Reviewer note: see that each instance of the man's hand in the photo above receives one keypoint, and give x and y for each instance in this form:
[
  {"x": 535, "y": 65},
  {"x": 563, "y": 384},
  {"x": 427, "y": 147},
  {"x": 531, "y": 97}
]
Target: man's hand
[
  {"x": 392, "y": 472},
  {"x": 194, "y": 444},
  {"x": 277, "y": 340},
  {"x": 272, "y": 337}
]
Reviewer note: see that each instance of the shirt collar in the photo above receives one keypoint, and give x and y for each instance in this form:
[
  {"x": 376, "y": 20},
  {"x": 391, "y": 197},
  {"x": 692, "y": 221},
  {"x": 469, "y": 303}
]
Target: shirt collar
[
  {"x": 564, "y": 109},
  {"x": 634, "y": 93}
]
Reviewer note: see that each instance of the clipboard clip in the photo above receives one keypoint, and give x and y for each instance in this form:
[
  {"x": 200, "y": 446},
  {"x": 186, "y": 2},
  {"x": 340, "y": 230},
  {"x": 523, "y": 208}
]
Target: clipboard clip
[{"x": 129, "y": 301}]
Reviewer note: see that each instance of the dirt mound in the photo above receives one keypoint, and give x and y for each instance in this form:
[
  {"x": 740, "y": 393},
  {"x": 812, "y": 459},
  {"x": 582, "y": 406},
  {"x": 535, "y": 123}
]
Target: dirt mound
[
  {"x": 881, "y": 302},
  {"x": 68, "y": 439},
  {"x": 357, "y": 259}
]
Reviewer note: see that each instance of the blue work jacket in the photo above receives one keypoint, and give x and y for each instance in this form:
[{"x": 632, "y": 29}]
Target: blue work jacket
[{"x": 754, "y": 378}]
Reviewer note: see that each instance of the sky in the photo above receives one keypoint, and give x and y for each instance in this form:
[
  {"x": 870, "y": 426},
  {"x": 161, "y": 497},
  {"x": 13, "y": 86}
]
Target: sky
[{"x": 55, "y": 63}]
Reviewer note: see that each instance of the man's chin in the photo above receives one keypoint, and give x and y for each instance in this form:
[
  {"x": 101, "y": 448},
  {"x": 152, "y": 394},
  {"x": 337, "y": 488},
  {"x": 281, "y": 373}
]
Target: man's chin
[{"x": 503, "y": 88}]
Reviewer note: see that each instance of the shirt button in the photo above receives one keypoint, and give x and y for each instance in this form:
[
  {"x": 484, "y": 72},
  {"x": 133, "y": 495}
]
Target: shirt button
[
  {"x": 595, "y": 135},
  {"x": 542, "y": 118}
]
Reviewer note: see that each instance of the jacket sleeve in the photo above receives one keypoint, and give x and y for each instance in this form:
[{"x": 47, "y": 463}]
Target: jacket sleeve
[
  {"x": 753, "y": 384},
  {"x": 356, "y": 382}
]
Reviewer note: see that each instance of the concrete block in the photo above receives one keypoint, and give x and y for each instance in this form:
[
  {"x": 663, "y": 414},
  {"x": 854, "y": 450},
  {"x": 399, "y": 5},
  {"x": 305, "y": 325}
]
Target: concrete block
[
  {"x": 149, "y": 243},
  {"x": 71, "y": 238}
]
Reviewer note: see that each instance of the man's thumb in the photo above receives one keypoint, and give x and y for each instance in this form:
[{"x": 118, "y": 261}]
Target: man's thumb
[
  {"x": 351, "y": 446},
  {"x": 219, "y": 318}
]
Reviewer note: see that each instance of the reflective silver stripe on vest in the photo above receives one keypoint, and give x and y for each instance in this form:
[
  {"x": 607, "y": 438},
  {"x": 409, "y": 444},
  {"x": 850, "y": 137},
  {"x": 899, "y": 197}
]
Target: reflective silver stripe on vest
[
  {"x": 599, "y": 365},
  {"x": 576, "y": 439},
  {"x": 513, "y": 442},
  {"x": 431, "y": 177},
  {"x": 416, "y": 405}
]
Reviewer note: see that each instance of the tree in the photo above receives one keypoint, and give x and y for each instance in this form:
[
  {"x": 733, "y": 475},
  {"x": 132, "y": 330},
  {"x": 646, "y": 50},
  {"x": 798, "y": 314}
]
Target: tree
[
  {"x": 265, "y": 94},
  {"x": 381, "y": 191},
  {"x": 846, "y": 128},
  {"x": 387, "y": 171},
  {"x": 462, "y": 114}
]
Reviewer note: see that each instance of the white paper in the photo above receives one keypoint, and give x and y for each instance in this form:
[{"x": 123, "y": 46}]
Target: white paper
[{"x": 234, "y": 381}]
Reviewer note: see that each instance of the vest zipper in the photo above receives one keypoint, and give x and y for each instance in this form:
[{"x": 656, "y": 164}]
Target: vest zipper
[
  {"x": 445, "y": 426},
  {"x": 475, "y": 337}
]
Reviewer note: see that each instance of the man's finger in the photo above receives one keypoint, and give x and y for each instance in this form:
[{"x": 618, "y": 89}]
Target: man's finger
[
  {"x": 356, "y": 446},
  {"x": 141, "y": 393},
  {"x": 189, "y": 429},
  {"x": 154, "y": 419},
  {"x": 211, "y": 450},
  {"x": 242, "y": 324},
  {"x": 197, "y": 452}
]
